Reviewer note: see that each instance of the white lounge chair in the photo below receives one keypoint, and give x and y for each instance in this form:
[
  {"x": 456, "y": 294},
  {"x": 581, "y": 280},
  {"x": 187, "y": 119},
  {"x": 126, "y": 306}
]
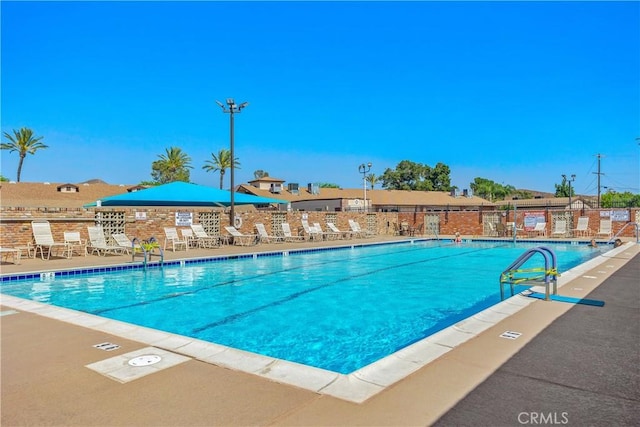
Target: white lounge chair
[
  {"x": 172, "y": 238},
  {"x": 289, "y": 236},
  {"x": 75, "y": 243},
  {"x": 125, "y": 243},
  {"x": 239, "y": 238},
  {"x": 605, "y": 228},
  {"x": 559, "y": 228},
  {"x": 190, "y": 238},
  {"x": 509, "y": 228},
  {"x": 265, "y": 237},
  {"x": 359, "y": 232},
  {"x": 5, "y": 253},
  {"x": 328, "y": 235},
  {"x": 205, "y": 240},
  {"x": 343, "y": 234},
  {"x": 44, "y": 240},
  {"x": 582, "y": 228},
  {"x": 98, "y": 243},
  {"x": 540, "y": 229},
  {"x": 310, "y": 231}
]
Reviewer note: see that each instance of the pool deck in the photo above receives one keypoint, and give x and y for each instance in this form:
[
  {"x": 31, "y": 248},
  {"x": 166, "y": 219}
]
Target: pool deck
[{"x": 575, "y": 361}]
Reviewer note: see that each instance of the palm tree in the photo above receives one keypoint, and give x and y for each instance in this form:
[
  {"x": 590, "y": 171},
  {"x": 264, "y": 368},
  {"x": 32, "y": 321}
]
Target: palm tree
[
  {"x": 174, "y": 166},
  {"x": 221, "y": 163},
  {"x": 24, "y": 143},
  {"x": 372, "y": 179}
]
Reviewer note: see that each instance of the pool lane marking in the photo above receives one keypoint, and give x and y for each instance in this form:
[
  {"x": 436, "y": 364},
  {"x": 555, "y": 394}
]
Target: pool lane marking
[
  {"x": 98, "y": 312},
  {"x": 295, "y": 295}
]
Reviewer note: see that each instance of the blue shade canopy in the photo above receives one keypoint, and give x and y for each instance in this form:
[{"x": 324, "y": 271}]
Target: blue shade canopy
[{"x": 183, "y": 194}]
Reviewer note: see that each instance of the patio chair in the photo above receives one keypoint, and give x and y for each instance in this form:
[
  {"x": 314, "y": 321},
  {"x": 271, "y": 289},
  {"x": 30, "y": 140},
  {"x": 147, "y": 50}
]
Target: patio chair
[
  {"x": 540, "y": 229},
  {"x": 98, "y": 243},
  {"x": 328, "y": 235},
  {"x": 290, "y": 237},
  {"x": 171, "y": 237},
  {"x": 265, "y": 237},
  {"x": 241, "y": 239},
  {"x": 518, "y": 229},
  {"x": 493, "y": 230},
  {"x": 205, "y": 240},
  {"x": 125, "y": 243},
  {"x": 582, "y": 228},
  {"x": 559, "y": 228},
  {"x": 75, "y": 243},
  {"x": 605, "y": 228},
  {"x": 342, "y": 234},
  {"x": 44, "y": 240},
  {"x": 310, "y": 231}
]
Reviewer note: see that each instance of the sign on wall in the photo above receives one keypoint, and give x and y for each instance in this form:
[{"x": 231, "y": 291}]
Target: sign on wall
[
  {"x": 620, "y": 215},
  {"x": 532, "y": 218},
  {"x": 184, "y": 219},
  {"x": 141, "y": 216}
]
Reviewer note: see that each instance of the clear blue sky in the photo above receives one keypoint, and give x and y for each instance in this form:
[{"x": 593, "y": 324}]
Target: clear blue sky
[{"x": 516, "y": 92}]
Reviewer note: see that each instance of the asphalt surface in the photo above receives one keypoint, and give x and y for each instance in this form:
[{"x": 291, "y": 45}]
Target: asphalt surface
[{"x": 583, "y": 370}]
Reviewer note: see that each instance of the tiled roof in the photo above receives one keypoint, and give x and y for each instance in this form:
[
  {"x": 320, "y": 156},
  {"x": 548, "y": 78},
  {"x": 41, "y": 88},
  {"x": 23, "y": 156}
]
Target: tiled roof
[
  {"x": 38, "y": 194},
  {"x": 377, "y": 197},
  {"x": 267, "y": 179}
]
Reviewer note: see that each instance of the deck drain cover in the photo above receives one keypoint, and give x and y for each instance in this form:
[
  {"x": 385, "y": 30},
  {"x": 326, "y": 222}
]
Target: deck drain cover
[
  {"x": 107, "y": 346},
  {"x": 510, "y": 335},
  {"x": 146, "y": 360}
]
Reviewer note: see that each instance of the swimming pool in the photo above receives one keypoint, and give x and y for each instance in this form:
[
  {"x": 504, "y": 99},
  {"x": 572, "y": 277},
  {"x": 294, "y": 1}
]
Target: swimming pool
[{"x": 337, "y": 310}]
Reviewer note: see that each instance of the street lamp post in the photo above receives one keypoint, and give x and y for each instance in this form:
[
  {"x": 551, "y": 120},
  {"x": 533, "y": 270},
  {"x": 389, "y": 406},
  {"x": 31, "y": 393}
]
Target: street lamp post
[
  {"x": 364, "y": 169},
  {"x": 232, "y": 108},
  {"x": 573, "y": 178}
]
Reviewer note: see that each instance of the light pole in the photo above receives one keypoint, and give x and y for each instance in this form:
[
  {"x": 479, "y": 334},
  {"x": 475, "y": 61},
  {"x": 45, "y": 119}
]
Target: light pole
[
  {"x": 573, "y": 178},
  {"x": 364, "y": 169},
  {"x": 231, "y": 108}
]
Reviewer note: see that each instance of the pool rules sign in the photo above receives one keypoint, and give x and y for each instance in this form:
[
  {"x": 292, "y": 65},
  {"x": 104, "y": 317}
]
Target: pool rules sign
[{"x": 184, "y": 219}]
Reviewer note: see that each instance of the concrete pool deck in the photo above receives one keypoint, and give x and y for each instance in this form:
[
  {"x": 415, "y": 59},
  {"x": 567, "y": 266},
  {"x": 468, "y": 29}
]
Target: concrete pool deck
[{"x": 45, "y": 379}]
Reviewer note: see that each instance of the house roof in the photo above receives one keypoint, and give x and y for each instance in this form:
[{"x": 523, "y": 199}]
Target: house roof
[
  {"x": 38, "y": 194},
  {"x": 377, "y": 197},
  {"x": 267, "y": 179},
  {"x": 546, "y": 201}
]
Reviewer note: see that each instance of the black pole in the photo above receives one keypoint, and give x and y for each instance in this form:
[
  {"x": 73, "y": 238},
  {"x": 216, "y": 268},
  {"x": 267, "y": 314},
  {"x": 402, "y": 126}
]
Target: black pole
[
  {"x": 232, "y": 108},
  {"x": 232, "y": 170}
]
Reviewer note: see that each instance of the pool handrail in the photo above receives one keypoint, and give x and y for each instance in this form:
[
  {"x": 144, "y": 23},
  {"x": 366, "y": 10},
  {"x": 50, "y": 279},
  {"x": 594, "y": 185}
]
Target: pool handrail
[
  {"x": 622, "y": 229},
  {"x": 550, "y": 270},
  {"x": 146, "y": 253}
]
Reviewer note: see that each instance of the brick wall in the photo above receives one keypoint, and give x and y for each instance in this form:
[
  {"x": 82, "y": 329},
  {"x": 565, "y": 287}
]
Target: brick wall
[{"x": 15, "y": 223}]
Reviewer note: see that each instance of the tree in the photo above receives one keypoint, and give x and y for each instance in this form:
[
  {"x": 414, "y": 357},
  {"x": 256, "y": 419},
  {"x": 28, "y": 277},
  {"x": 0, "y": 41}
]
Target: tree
[
  {"x": 221, "y": 163},
  {"x": 372, "y": 179},
  {"x": 3, "y": 178},
  {"x": 563, "y": 189},
  {"x": 260, "y": 174},
  {"x": 328, "y": 185},
  {"x": 492, "y": 191},
  {"x": 24, "y": 143},
  {"x": 172, "y": 166},
  {"x": 409, "y": 175},
  {"x": 522, "y": 194},
  {"x": 613, "y": 199}
]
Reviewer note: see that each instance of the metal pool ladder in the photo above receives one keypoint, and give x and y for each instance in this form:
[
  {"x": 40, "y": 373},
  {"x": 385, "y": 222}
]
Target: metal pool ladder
[
  {"x": 549, "y": 273},
  {"x": 147, "y": 253}
]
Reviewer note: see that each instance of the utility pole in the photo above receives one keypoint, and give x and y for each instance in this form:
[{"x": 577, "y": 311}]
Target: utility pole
[{"x": 599, "y": 174}]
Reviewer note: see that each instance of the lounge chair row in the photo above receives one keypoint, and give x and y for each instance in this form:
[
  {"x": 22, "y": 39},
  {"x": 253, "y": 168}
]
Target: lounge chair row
[
  {"x": 560, "y": 228},
  {"x": 195, "y": 236}
]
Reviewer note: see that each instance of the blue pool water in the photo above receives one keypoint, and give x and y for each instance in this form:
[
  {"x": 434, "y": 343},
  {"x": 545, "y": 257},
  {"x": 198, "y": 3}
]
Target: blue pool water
[{"x": 338, "y": 310}]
